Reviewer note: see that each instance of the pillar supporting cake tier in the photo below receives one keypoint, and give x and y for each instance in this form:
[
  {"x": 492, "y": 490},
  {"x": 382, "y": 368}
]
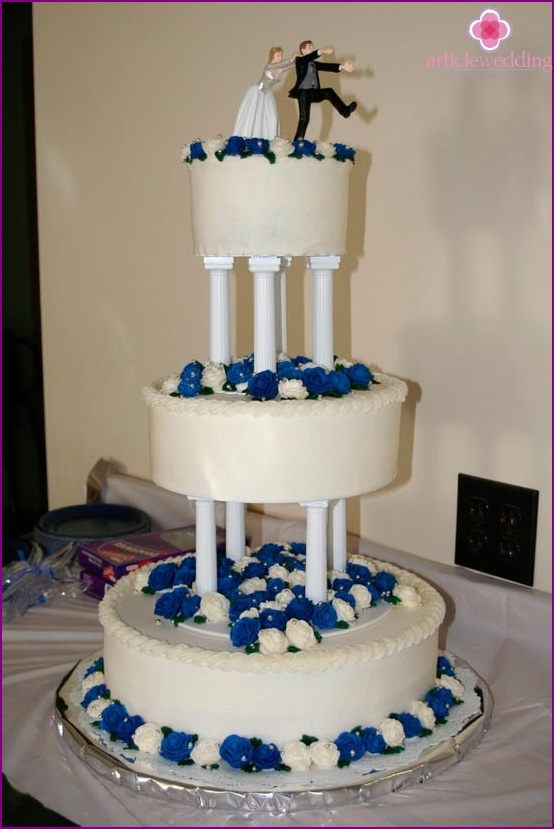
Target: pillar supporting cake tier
[
  {"x": 322, "y": 268},
  {"x": 219, "y": 268}
]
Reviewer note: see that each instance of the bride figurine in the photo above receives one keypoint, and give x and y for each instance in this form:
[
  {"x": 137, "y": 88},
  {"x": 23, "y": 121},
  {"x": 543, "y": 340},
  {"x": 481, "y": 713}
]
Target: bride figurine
[{"x": 257, "y": 116}]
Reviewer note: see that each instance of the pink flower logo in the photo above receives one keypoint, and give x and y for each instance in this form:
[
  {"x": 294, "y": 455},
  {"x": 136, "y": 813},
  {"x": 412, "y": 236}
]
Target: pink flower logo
[{"x": 489, "y": 30}]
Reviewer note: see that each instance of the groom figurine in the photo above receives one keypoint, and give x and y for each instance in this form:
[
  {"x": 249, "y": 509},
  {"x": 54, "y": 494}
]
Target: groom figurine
[{"x": 307, "y": 89}]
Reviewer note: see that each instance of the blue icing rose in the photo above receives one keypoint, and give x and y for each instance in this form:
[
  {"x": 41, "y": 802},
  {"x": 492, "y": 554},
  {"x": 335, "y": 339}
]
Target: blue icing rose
[
  {"x": 440, "y": 700},
  {"x": 266, "y": 756},
  {"x": 273, "y": 619},
  {"x": 190, "y": 606},
  {"x": 342, "y": 584},
  {"x": 270, "y": 554},
  {"x": 359, "y": 573},
  {"x": 186, "y": 572},
  {"x": 316, "y": 380},
  {"x": 444, "y": 667},
  {"x": 245, "y": 631},
  {"x": 304, "y": 147},
  {"x": 286, "y": 370},
  {"x": 190, "y": 378},
  {"x": 257, "y": 146},
  {"x": 225, "y": 566},
  {"x": 239, "y": 372},
  {"x": 227, "y": 585},
  {"x": 161, "y": 577},
  {"x": 340, "y": 382},
  {"x": 300, "y": 608},
  {"x": 97, "y": 665},
  {"x": 197, "y": 151},
  {"x": 344, "y": 153},
  {"x": 300, "y": 360},
  {"x": 411, "y": 725},
  {"x": 374, "y": 593},
  {"x": 168, "y": 604},
  {"x": 263, "y": 385},
  {"x": 275, "y": 586},
  {"x": 373, "y": 741},
  {"x": 384, "y": 582},
  {"x": 236, "y": 751},
  {"x": 94, "y": 693},
  {"x": 298, "y": 548},
  {"x": 113, "y": 716},
  {"x": 324, "y": 616},
  {"x": 359, "y": 375},
  {"x": 128, "y": 727},
  {"x": 177, "y": 746},
  {"x": 235, "y": 145},
  {"x": 239, "y": 604},
  {"x": 258, "y": 597},
  {"x": 296, "y": 564},
  {"x": 350, "y": 746},
  {"x": 299, "y": 590},
  {"x": 256, "y": 569}
]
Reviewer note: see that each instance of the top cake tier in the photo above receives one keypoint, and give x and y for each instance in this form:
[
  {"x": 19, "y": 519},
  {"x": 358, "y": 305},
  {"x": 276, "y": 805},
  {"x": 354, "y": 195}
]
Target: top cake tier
[{"x": 290, "y": 199}]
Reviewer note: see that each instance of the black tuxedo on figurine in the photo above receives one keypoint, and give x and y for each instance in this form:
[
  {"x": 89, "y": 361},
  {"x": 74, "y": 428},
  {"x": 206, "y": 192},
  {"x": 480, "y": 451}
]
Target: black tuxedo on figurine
[{"x": 307, "y": 89}]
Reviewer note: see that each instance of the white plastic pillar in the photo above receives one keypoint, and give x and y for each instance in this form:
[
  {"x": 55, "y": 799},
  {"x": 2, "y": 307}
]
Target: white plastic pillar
[
  {"x": 220, "y": 340},
  {"x": 322, "y": 268},
  {"x": 264, "y": 269},
  {"x": 281, "y": 337},
  {"x": 316, "y": 550},
  {"x": 235, "y": 535},
  {"x": 336, "y": 535},
  {"x": 206, "y": 546}
]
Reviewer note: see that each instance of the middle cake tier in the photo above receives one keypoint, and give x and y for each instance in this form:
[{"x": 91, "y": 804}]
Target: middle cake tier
[{"x": 227, "y": 448}]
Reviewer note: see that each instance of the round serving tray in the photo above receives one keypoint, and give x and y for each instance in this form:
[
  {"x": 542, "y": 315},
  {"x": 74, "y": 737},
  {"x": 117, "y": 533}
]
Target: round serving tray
[{"x": 273, "y": 792}]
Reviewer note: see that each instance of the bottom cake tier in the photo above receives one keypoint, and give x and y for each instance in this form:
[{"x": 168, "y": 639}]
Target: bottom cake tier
[{"x": 257, "y": 676}]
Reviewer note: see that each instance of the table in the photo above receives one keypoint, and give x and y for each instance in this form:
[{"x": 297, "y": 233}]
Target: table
[{"x": 501, "y": 629}]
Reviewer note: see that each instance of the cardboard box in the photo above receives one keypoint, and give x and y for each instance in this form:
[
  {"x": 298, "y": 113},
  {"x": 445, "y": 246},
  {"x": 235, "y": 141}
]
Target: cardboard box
[{"x": 112, "y": 558}]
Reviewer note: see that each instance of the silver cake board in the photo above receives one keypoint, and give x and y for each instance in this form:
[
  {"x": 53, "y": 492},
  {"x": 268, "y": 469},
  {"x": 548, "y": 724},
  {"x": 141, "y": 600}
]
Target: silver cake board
[{"x": 371, "y": 777}]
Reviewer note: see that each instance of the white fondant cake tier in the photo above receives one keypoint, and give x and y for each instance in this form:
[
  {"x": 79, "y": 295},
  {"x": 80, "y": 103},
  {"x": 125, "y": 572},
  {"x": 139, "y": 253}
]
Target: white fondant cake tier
[
  {"x": 353, "y": 679},
  {"x": 250, "y": 207},
  {"x": 228, "y": 448}
]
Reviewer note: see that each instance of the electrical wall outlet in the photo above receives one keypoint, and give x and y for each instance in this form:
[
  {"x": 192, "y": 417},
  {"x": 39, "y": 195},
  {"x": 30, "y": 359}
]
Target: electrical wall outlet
[{"x": 496, "y": 528}]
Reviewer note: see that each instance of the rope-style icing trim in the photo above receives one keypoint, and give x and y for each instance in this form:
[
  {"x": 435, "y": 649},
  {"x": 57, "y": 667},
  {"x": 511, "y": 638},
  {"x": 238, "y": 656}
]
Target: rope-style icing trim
[
  {"x": 389, "y": 390},
  {"x": 302, "y": 662}
]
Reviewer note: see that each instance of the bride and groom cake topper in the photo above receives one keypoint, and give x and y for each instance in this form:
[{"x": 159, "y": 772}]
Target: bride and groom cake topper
[{"x": 258, "y": 116}]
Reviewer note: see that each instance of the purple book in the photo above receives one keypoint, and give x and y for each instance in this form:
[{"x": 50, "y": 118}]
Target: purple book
[{"x": 110, "y": 559}]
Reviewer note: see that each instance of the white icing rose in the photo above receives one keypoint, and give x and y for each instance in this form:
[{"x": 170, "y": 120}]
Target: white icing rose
[
  {"x": 213, "y": 376},
  {"x": 185, "y": 152},
  {"x": 365, "y": 562},
  {"x": 344, "y": 610},
  {"x": 300, "y": 635},
  {"x": 91, "y": 680},
  {"x": 282, "y": 357},
  {"x": 280, "y": 147},
  {"x": 271, "y": 606},
  {"x": 361, "y": 595},
  {"x": 284, "y": 597},
  {"x": 325, "y": 148},
  {"x": 97, "y": 706},
  {"x": 251, "y": 613},
  {"x": 297, "y": 577},
  {"x": 170, "y": 385},
  {"x": 304, "y": 366},
  {"x": 148, "y": 737},
  {"x": 206, "y": 753},
  {"x": 292, "y": 389},
  {"x": 296, "y": 756},
  {"x": 243, "y": 562},
  {"x": 331, "y": 595},
  {"x": 452, "y": 684},
  {"x": 337, "y": 574},
  {"x": 272, "y": 641},
  {"x": 393, "y": 732},
  {"x": 141, "y": 579},
  {"x": 424, "y": 713},
  {"x": 214, "y": 606},
  {"x": 408, "y": 595},
  {"x": 213, "y": 146},
  {"x": 346, "y": 364},
  {"x": 277, "y": 571},
  {"x": 252, "y": 585},
  {"x": 324, "y": 755}
]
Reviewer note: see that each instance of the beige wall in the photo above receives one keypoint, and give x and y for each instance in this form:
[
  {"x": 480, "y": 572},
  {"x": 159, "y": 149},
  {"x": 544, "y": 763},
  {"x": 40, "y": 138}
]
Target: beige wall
[{"x": 446, "y": 282}]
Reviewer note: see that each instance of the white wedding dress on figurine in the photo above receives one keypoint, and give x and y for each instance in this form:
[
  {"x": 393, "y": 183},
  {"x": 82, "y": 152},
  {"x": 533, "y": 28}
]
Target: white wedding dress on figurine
[{"x": 257, "y": 116}]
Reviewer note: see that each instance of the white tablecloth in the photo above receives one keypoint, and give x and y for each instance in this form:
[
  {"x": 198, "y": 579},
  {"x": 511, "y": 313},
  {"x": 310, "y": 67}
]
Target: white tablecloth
[{"x": 501, "y": 629}]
